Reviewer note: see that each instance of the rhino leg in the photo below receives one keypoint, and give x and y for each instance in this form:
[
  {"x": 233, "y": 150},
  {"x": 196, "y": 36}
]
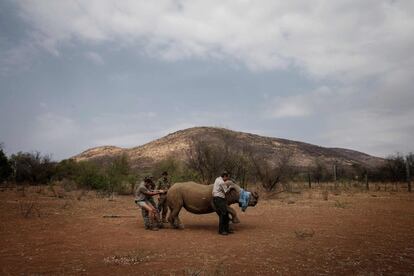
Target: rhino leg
[
  {"x": 173, "y": 218},
  {"x": 233, "y": 214}
]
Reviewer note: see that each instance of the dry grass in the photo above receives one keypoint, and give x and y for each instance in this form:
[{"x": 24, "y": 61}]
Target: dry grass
[
  {"x": 339, "y": 204},
  {"x": 304, "y": 233},
  {"x": 131, "y": 258},
  {"x": 325, "y": 194},
  {"x": 29, "y": 208}
]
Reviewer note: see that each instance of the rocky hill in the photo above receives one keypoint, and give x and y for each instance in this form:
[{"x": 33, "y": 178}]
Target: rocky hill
[{"x": 178, "y": 144}]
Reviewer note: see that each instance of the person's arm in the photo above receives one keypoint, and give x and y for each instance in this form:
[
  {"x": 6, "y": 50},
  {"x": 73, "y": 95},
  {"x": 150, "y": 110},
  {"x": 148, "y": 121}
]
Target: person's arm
[
  {"x": 228, "y": 185},
  {"x": 225, "y": 186},
  {"x": 148, "y": 192},
  {"x": 153, "y": 193}
]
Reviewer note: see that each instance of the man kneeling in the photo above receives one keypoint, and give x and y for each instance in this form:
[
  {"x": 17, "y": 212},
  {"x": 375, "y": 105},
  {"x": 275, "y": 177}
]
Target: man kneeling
[{"x": 143, "y": 198}]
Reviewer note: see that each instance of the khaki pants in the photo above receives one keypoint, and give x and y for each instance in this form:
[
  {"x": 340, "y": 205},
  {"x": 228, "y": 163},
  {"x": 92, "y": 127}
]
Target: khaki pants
[
  {"x": 162, "y": 206},
  {"x": 145, "y": 214}
]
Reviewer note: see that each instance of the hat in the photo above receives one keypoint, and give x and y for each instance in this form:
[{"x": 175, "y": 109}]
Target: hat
[{"x": 164, "y": 173}]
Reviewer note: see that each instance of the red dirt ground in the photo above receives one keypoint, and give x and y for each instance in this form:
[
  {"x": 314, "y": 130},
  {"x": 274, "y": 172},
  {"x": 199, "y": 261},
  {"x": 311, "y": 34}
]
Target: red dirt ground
[{"x": 358, "y": 234}]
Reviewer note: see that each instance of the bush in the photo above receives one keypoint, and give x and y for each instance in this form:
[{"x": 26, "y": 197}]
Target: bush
[
  {"x": 32, "y": 167},
  {"x": 112, "y": 177},
  {"x": 5, "y": 166},
  {"x": 90, "y": 176},
  {"x": 67, "y": 169},
  {"x": 178, "y": 171}
]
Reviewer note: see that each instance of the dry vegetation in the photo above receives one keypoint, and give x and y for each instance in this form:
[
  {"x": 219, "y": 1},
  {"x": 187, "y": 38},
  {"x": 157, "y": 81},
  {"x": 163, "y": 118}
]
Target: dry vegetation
[{"x": 325, "y": 230}]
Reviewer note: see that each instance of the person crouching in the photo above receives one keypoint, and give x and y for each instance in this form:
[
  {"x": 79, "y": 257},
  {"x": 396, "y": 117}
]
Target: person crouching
[{"x": 143, "y": 198}]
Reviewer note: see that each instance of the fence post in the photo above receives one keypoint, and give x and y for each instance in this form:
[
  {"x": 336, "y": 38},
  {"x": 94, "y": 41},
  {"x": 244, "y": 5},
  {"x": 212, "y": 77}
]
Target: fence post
[
  {"x": 309, "y": 181},
  {"x": 366, "y": 181},
  {"x": 407, "y": 168}
]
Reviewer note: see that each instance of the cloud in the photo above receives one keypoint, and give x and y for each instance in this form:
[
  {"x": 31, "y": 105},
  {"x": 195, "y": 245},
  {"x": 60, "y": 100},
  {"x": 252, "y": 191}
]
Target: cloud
[
  {"x": 95, "y": 58},
  {"x": 54, "y": 127},
  {"x": 374, "y": 118},
  {"x": 20, "y": 57},
  {"x": 357, "y": 53},
  {"x": 371, "y": 132},
  {"x": 54, "y": 133},
  {"x": 300, "y": 105},
  {"x": 290, "y": 107},
  {"x": 343, "y": 39}
]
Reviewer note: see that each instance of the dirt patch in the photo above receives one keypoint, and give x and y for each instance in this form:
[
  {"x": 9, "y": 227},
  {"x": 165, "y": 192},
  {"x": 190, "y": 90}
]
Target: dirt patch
[{"x": 346, "y": 234}]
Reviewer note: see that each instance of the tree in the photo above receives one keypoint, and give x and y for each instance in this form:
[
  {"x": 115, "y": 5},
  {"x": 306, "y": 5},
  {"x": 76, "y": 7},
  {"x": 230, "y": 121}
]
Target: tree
[
  {"x": 318, "y": 170},
  {"x": 395, "y": 168},
  {"x": 210, "y": 159},
  {"x": 67, "y": 169},
  {"x": 272, "y": 174},
  {"x": 90, "y": 176},
  {"x": 178, "y": 171},
  {"x": 5, "y": 166},
  {"x": 32, "y": 167},
  {"x": 117, "y": 173},
  {"x": 207, "y": 160}
]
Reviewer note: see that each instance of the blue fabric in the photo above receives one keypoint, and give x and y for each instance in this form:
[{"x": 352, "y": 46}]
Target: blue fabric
[{"x": 244, "y": 199}]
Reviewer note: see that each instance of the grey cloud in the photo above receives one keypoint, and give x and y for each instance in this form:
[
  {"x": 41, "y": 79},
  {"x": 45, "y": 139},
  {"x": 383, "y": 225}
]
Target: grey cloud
[
  {"x": 336, "y": 73},
  {"x": 325, "y": 38}
]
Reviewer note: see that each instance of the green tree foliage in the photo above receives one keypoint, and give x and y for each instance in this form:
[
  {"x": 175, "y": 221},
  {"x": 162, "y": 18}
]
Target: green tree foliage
[
  {"x": 68, "y": 169},
  {"x": 5, "y": 166},
  {"x": 118, "y": 174},
  {"x": 90, "y": 176},
  {"x": 113, "y": 176},
  {"x": 178, "y": 171}
]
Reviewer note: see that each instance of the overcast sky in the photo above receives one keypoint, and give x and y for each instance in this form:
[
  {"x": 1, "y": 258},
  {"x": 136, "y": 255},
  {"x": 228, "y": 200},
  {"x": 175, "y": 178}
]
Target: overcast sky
[{"x": 79, "y": 74}]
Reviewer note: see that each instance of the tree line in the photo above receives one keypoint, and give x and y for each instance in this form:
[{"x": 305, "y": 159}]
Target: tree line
[{"x": 205, "y": 161}]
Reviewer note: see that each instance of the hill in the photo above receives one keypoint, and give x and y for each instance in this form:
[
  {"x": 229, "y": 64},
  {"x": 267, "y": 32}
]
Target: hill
[{"x": 178, "y": 144}]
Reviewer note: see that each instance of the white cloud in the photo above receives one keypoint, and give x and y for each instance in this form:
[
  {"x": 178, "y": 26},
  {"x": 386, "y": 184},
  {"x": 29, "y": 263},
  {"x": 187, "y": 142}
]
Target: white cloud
[
  {"x": 345, "y": 39},
  {"x": 300, "y": 105},
  {"x": 290, "y": 107}
]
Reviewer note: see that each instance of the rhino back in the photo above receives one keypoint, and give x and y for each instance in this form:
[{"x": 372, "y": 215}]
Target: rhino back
[{"x": 196, "y": 198}]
